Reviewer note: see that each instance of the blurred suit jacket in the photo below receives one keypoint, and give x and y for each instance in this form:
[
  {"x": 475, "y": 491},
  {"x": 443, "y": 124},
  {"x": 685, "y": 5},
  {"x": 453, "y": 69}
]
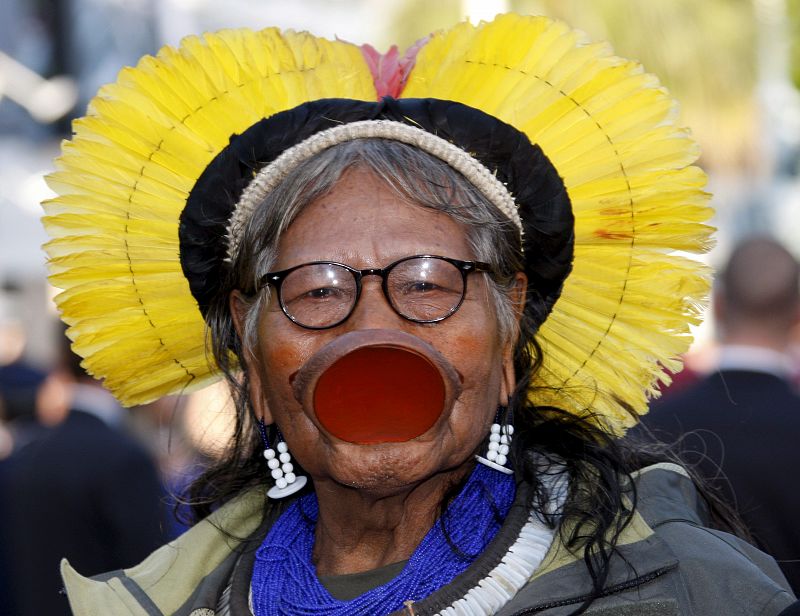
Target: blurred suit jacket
[{"x": 85, "y": 491}]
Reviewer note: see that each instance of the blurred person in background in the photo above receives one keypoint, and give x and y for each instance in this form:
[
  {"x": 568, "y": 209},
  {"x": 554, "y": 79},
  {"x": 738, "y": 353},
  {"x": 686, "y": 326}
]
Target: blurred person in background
[
  {"x": 163, "y": 426},
  {"x": 794, "y": 356},
  {"x": 84, "y": 490},
  {"x": 19, "y": 387},
  {"x": 20, "y": 382},
  {"x": 740, "y": 423}
]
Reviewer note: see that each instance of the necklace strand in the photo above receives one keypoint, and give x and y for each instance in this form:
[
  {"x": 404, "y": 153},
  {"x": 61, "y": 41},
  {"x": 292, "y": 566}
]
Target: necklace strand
[{"x": 285, "y": 581}]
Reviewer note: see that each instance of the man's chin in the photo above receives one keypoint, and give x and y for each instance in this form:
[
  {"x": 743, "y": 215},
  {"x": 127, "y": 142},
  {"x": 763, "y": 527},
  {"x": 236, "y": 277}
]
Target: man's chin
[{"x": 389, "y": 468}]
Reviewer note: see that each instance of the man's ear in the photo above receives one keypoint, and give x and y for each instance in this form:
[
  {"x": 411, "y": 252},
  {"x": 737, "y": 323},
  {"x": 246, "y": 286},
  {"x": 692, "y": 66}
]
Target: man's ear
[
  {"x": 509, "y": 379},
  {"x": 238, "y": 305}
]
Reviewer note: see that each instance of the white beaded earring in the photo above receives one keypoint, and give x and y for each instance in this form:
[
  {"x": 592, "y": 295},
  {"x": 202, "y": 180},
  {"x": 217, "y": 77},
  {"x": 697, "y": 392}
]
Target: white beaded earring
[
  {"x": 499, "y": 446},
  {"x": 280, "y": 467}
]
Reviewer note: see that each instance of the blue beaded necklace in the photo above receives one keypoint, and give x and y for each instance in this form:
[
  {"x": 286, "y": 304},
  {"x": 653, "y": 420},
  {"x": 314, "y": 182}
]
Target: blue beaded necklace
[{"x": 285, "y": 581}]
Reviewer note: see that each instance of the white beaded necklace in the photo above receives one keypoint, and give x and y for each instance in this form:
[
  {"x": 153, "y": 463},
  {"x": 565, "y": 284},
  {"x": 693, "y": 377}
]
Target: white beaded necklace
[
  {"x": 520, "y": 562},
  {"x": 509, "y": 576}
]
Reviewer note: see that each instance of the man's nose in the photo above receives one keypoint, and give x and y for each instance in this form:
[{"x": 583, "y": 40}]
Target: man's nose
[{"x": 373, "y": 310}]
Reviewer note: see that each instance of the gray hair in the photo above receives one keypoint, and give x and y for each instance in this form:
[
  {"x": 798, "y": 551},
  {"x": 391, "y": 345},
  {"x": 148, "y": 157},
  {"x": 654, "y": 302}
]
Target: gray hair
[{"x": 416, "y": 177}]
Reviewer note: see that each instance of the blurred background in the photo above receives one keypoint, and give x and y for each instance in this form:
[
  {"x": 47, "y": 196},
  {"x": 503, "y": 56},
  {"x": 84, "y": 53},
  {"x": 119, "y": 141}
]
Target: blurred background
[{"x": 734, "y": 65}]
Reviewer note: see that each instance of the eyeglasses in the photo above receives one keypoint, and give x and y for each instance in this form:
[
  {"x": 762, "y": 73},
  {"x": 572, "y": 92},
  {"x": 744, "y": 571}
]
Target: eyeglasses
[{"x": 420, "y": 288}]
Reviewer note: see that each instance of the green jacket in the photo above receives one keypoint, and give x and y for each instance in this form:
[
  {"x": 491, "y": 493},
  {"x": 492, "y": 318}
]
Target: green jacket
[{"x": 666, "y": 564}]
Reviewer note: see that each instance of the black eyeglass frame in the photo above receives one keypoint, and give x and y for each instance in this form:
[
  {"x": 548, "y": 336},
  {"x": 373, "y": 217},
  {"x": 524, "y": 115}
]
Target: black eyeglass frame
[{"x": 465, "y": 267}]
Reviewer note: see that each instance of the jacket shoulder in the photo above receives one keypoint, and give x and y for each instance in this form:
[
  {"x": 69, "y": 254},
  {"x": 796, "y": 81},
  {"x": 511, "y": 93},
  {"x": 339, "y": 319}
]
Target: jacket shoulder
[
  {"x": 711, "y": 563},
  {"x": 665, "y": 562},
  {"x": 193, "y": 567}
]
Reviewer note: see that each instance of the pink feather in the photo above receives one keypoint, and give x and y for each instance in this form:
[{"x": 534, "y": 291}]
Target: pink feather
[{"x": 389, "y": 71}]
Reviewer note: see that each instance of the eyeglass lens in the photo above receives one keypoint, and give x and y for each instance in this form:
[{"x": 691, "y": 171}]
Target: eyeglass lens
[{"x": 420, "y": 289}]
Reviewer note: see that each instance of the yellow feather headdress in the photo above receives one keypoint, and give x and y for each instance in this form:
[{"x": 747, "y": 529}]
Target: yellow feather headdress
[{"x": 608, "y": 128}]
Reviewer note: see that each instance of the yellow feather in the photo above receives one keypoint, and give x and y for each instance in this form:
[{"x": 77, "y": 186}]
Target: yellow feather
[
  {"x": 124, "y": 179},
  {"x": 609, "y": 128}
]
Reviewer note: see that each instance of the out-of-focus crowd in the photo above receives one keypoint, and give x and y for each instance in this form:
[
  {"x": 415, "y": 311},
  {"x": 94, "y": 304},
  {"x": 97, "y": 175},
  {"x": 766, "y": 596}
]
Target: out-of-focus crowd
[{"x": 83, "y": 478}]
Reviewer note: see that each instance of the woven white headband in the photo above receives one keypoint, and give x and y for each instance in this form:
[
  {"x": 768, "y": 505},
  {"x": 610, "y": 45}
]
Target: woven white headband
[{"x": 275, "y": 172}]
